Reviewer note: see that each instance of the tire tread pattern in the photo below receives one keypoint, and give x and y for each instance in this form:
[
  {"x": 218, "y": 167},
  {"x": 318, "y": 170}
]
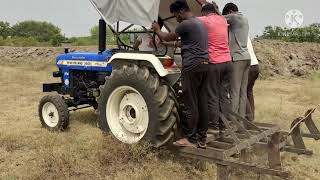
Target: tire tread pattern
[
  {"x": 162, "y": 96},
  {"x": 62, "y": 111}
]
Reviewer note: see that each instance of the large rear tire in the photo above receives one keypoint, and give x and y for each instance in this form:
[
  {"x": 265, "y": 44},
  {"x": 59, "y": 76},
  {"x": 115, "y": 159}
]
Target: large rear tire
[
  {"x": 136, "y": 106},
  {"x": 54, "y": 113}
]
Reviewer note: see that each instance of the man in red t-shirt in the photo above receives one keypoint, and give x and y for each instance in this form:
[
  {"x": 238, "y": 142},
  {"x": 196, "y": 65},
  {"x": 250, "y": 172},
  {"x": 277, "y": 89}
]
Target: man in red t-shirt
[{"x": 220, "y": 58}]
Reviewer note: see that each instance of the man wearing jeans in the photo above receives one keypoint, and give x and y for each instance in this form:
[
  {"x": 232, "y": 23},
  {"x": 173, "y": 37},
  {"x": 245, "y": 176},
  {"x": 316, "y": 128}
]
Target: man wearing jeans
[
  {"x": 238, "y": 39},
  {"x": 195, "y": 62}
]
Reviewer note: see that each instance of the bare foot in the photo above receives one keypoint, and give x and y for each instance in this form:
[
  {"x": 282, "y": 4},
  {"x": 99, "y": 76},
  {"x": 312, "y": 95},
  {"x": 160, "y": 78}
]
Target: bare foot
[{"x": 184, "y": 143}]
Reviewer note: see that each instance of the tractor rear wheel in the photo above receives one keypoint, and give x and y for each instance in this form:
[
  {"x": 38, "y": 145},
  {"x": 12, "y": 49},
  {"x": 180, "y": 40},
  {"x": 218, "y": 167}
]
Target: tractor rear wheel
[
  {"x": 54, "y": 113},
  {"x": 136, "y": 106}
]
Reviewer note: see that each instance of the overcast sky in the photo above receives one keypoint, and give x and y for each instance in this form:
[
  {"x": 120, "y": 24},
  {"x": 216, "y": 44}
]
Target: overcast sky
[{"x": 76, "y": 17}]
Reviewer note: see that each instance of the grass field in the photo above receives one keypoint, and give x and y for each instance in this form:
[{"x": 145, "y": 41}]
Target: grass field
[{"x": 29, "y": 152}]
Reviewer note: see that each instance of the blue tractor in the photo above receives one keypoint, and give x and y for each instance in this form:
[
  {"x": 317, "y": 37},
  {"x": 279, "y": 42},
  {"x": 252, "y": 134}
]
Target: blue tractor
[{"x": 135, "y": 94}]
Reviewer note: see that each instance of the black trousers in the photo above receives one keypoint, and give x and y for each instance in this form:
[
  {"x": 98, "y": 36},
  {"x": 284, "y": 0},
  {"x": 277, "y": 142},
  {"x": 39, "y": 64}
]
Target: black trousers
[
  {"x": 195, "y": 96},
  {"x": 219, "y": 82},
  {"x": 253, "y": 76}
]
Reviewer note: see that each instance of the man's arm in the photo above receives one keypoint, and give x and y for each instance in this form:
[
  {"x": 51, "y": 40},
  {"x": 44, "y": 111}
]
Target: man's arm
[
  {"x": 230, "y": 18},
  {"x": 174, "y": 44},
  {"x": 202, "y": 2},
  {"x": 167, "y": 36},
  {"x": 163, "y": 35}
]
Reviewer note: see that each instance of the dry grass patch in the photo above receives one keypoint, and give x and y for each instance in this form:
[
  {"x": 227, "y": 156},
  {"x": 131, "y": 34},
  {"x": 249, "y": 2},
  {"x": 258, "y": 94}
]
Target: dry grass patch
[{"x": 82, "y": 152}]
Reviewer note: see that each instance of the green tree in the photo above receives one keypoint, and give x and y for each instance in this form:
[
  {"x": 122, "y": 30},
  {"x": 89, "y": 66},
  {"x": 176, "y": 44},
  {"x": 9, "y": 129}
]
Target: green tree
[
  {"x": 5, "y": 29},
  {"x": 41, "y": 31},
  {"x": 94, "y": 32},
  {"x": 309, "y": 33}
]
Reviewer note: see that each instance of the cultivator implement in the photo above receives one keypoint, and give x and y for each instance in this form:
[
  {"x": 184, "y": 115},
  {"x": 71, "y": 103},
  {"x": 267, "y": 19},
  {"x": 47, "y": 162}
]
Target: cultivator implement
[{"x": 234, "y": 147}]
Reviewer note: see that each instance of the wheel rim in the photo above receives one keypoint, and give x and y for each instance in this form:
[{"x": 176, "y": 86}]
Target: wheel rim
[
  {"x": 50, "y": 114},
  {"x": 127, "y": 114}
]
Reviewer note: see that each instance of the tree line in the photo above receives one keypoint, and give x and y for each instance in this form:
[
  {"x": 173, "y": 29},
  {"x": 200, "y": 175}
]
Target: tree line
[
  {"x": 30, "y": 33},
  {"x": 309, "y": 33},
  {"x": 38, "y": 33}
]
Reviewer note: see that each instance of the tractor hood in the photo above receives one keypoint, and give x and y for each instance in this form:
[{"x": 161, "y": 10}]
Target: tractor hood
[
  {"x": 83, "y": 56},
  {"x": 140, "y": 12}
]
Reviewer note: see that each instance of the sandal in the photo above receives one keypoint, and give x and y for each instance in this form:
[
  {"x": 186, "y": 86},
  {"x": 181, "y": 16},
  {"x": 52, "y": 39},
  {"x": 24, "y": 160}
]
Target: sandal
[{"x": 202, "y": 145}]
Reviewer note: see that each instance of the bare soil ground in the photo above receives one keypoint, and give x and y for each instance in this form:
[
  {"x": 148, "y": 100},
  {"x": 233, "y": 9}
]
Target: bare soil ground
[
  {"x": 29, "y": 152},
  {"x": 288, "y": 59}
]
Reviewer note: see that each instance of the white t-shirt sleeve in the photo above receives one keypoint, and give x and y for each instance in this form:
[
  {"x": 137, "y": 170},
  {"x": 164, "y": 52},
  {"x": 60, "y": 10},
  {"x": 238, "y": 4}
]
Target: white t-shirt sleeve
[{"x": 254, "y": 60}]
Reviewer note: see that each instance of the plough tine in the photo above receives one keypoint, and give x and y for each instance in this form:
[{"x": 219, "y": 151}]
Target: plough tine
[
  {"x": 314, "y": 131},
  {"x": 246, "y": 123},
  {"x": 239, "y": 126},
  {"x": 295, "y": 124},
  {"x": 229, "y": 128},
  {"x": 296, "y": 134}
]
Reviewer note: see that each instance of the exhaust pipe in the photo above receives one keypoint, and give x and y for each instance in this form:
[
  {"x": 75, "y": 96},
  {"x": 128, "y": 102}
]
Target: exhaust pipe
[{"x": 102, "y": 35}]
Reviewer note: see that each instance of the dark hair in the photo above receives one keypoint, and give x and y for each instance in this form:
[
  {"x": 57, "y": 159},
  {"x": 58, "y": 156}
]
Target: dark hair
[
  {"x": 210, "y": 8},
  {"x": 179, "y": 5},
  {"x": 230, "y": 7}
]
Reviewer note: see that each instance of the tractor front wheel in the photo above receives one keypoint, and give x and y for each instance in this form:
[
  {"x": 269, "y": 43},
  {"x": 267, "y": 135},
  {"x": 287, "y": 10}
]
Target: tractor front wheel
[{"x": 54, "y": 113}]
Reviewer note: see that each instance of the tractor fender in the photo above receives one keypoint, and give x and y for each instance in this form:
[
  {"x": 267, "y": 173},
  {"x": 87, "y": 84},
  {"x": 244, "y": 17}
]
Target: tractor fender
[{"x": 141, "y": 57}]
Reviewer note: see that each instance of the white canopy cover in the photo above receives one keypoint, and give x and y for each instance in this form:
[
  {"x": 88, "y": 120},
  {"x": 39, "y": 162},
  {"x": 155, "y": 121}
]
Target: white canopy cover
[{"x": 140, "y": 12}]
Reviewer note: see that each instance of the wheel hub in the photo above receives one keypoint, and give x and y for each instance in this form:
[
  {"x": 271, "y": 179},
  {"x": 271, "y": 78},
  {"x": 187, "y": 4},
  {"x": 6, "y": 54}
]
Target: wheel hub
[
  {"x": 131, "y": 112},
  {"x": 127, "y": 114},
  {"x": 50, "y": 114}
]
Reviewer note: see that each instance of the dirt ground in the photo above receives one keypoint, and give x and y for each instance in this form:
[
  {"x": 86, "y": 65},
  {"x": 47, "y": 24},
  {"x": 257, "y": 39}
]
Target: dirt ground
[
  {"x": 287, "y": 59},
  {"x": 29, "y": 152}
]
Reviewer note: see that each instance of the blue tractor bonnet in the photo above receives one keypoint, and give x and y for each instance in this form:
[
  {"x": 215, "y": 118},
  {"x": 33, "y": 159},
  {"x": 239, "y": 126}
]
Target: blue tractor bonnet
[
  {"x": 86, "y": 56},
  {"x": 85, "y": 61}
]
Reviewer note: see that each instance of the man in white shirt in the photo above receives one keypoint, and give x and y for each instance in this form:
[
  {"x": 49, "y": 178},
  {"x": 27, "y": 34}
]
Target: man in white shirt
[{"x": 253, "y": 76}]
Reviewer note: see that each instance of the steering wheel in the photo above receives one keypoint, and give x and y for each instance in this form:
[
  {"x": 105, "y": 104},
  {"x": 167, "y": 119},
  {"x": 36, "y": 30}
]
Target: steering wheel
[
  {"x": 124, "y": 45},
  {"x": 154, "y": 36}
]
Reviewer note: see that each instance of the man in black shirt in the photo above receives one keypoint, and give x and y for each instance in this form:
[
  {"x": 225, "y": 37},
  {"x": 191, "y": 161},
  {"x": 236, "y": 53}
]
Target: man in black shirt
[{"x": 195, "y": 64}]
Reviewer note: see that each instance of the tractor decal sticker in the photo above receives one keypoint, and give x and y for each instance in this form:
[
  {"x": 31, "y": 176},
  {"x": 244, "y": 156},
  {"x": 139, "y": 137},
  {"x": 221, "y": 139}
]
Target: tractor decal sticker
[
  {"x": 78, "y": 57},
  {"x": 83, "y": 63}
]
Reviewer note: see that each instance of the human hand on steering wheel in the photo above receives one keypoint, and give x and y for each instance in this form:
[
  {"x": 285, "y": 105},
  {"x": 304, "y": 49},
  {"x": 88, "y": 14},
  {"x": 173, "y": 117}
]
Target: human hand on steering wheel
[
  {"x": 155, "y": 27},
  {"x": 156, "y": 44}
]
